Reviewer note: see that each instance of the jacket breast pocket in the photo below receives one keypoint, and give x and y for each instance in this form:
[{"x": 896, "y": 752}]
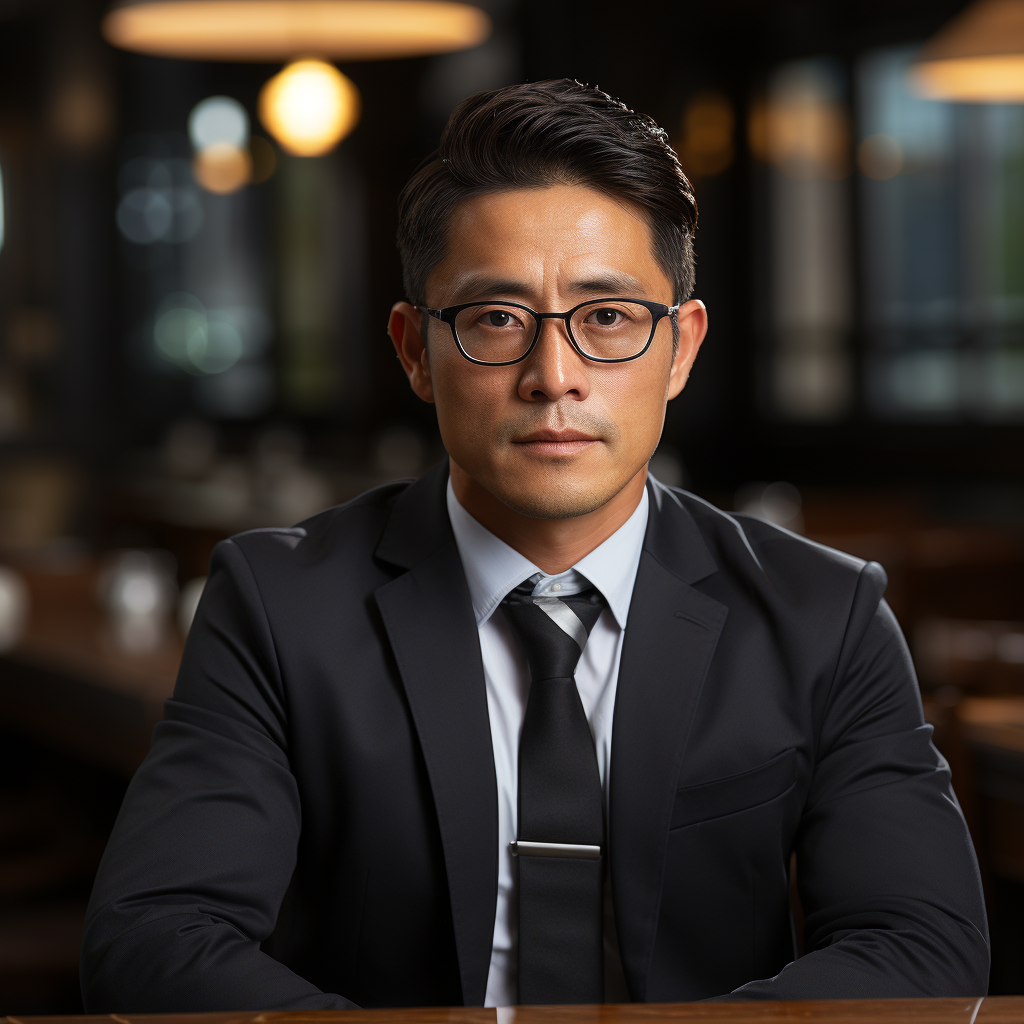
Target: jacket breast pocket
[{"x": 735, "y": 792}]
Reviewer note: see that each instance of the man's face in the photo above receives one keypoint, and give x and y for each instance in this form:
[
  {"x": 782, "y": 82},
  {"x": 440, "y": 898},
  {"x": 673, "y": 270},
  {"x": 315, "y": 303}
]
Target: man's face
[{"x": 555, "y": 435}]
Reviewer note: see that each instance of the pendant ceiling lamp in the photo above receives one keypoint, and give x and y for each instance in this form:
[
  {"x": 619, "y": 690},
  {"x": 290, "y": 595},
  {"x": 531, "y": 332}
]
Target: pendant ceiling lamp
[
  {"x": 277, "y": 30},
  {"x": 310, "y": 106},
  {"x": 977, "y": 58}
]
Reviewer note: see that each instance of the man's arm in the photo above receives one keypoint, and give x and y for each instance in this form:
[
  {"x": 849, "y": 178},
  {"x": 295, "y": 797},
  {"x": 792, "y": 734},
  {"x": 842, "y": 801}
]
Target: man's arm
[
  {"x": 885, "y": 867},
  {"x": 205, "y": 844}
]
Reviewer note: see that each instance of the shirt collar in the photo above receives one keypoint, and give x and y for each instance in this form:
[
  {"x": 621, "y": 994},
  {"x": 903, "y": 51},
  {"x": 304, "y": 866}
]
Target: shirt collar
[{"x": 493, "y": 568}]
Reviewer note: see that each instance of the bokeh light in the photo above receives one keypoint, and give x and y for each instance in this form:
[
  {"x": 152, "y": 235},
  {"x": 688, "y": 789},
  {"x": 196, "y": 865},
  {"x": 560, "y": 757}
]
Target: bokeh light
[
  {"x": 219, "y": 129},
  {"x": 218, "y": 119},
  {"x": 222, "y": 167},
  {"x": 706, "y": 145},
  {"x": 195, "y": 341},
  {"x": 14, "y": 608},
  {"x": 159, "y": 201},
  {"x": 309, "y": 107}
]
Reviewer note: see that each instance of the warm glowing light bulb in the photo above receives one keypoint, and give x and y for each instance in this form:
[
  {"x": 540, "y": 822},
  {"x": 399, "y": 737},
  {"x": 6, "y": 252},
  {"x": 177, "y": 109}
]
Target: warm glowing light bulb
[{"x": 309, "y": 107}]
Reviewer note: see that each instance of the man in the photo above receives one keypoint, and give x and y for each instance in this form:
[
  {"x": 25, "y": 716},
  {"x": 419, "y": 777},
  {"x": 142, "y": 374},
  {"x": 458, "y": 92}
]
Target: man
[{"x": 535, "y": 727}]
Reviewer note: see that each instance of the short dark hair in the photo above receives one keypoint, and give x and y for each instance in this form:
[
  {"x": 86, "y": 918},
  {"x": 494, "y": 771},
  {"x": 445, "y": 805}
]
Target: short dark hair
[{"x": 546, "y": 133}]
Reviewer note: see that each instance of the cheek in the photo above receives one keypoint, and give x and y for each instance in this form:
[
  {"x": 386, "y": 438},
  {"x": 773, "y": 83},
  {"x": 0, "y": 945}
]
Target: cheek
[
  {"x": 636, "y": 401},
  {"x": 466, "y": 394}
]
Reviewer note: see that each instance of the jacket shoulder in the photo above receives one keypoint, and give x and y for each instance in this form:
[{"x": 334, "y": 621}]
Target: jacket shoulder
[{"x": 792, "y": 565}]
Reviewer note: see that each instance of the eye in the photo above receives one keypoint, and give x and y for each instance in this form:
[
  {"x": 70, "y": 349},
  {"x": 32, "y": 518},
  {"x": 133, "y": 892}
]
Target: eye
[
  {"x": 606, "y": 317},
  {"x": 496, "y": 318}
]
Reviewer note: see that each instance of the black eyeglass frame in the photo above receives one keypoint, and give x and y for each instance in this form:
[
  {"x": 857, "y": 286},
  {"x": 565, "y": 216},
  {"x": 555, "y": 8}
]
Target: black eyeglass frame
[{"x": 658, "y": 311}]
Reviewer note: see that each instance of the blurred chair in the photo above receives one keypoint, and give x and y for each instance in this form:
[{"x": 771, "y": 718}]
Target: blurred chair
[
  {"x": 993, "y": 730},
  {"x": 982, "y": 737}
]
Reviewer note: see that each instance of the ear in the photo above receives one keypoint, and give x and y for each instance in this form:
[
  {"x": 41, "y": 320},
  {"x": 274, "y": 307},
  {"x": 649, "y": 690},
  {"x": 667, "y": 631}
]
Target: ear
[
  {"x": 693, "y": 325},
  {"x": 404, "y": 329}
]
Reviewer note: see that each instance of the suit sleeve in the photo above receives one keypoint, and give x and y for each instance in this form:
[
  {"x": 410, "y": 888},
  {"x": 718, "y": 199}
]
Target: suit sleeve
[
  {"x": 205, "y": 844},
  {"x": 886, "y": 871}
]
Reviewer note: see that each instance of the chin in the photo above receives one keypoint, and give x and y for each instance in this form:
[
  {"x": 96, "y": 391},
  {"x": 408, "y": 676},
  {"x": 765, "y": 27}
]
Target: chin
[{"x": 557, "y": 502}]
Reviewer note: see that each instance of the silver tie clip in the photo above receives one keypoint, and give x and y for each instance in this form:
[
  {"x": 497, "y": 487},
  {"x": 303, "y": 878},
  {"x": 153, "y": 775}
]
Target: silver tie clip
[{"x": 520, "y": 848}]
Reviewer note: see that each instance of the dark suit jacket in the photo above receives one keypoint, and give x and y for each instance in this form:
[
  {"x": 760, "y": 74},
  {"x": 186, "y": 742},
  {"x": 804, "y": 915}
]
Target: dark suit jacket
[{"x": 318, "y": 813}]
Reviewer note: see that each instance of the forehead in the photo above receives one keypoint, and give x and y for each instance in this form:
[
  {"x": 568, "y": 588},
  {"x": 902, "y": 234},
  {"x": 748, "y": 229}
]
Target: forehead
[{"x": 547, "y": 240}]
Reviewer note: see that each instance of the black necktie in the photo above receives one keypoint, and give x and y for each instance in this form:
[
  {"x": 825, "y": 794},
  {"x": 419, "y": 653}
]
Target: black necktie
[{"x": 561, "y": 838}]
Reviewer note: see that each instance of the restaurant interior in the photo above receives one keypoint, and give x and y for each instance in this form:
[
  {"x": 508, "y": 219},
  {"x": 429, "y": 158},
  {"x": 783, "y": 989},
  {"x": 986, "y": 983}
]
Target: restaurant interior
[{"x": 197, "y": 261}]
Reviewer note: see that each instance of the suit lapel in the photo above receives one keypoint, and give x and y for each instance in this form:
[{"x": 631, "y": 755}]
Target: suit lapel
[
  {"x": 671, "y": 634},
  {"x": 429, "y": 620}
]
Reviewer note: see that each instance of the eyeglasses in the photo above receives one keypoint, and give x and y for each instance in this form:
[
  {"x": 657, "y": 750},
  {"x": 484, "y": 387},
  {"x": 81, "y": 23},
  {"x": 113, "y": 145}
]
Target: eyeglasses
[{"x": 604, "y": 330}]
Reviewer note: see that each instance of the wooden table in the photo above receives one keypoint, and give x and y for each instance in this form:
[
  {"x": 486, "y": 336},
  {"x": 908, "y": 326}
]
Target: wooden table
[{"x": 990, "y": 1010}]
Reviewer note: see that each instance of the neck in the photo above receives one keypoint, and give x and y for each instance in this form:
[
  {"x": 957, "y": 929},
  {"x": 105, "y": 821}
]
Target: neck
[{"x": 553, "y": 545}]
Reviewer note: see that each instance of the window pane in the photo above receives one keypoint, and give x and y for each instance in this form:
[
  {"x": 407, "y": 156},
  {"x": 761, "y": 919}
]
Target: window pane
[
  {"x": 942, "y": 204},
  {"x": 803, "y": 135}
]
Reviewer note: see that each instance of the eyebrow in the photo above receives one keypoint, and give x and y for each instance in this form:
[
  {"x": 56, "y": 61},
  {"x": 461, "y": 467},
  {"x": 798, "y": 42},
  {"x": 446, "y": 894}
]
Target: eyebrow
[{"x": 479, "y": 286}]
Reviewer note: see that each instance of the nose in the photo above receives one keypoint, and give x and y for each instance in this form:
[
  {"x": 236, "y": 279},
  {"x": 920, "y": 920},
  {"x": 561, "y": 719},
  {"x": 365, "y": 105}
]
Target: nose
[{"x": 554, "y": 369}]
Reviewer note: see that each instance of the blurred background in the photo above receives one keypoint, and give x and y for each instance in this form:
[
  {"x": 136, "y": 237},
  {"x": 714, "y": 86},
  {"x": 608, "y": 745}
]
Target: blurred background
[{"x": 197, "y": 261}]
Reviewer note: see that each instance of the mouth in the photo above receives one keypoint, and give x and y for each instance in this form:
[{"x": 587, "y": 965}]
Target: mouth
[{"x": 556, "y": 442}]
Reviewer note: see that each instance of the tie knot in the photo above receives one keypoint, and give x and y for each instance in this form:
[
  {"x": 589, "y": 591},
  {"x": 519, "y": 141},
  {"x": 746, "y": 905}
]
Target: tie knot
[{"x": 553, "y": 630}]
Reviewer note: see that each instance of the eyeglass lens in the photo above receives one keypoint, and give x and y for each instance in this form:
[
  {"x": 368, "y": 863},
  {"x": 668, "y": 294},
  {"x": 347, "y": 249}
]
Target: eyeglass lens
[{"x": 496, "y": 333}]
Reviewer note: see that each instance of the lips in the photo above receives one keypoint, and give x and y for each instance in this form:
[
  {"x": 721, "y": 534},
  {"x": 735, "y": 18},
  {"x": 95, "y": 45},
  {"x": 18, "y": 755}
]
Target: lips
[
  {"x": 555, "y": 437},
  {"x": 556, "y": 443}
]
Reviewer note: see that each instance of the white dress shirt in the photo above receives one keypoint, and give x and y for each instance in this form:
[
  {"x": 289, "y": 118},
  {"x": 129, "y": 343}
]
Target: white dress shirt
[{"x": 492, "y": 569}]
